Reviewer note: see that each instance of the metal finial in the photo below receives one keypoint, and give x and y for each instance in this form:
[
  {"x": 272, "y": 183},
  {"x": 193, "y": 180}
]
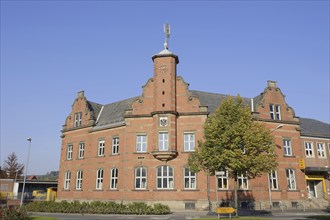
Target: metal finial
[{"x": 167, "y": 34}]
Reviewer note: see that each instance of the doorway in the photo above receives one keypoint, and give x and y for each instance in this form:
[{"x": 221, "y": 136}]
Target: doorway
[{"x": 311, "y": 186}]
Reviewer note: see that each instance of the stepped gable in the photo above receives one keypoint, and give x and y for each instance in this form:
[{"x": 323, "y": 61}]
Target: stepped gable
[{"x": 314, "y": 128}]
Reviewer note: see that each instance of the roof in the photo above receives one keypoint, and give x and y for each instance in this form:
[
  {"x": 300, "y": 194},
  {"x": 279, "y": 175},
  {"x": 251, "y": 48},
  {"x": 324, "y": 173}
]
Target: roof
[
  {"x": 314, "y": 128},
  {"x": 114, "y": 113}
]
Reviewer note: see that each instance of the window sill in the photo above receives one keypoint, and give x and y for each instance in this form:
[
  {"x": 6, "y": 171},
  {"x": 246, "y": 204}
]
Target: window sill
[
  {"x": 187, "y": 152},
  {"x": 141, "y": 152},
  {"x": 113, "y": 190},
  {"x": 140, "y": 190},
  {"x": 190, "y": 190},
  {"x": 166, "y": 190},
  {"x": 98, "y": 156},
  {"x": 98, "y": 190},
  {"x": 289, "y": 156}
]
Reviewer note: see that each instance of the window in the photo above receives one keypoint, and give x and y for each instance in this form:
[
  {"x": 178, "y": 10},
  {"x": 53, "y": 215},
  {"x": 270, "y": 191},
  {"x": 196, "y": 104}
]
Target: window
[
  {"x": 100, "y": 150},
  {"x": 81, "y": 150},
  {"x": 223, "y": 180},
  {"x": 242, "y": 181},
  {"x": 189, "y": 141},
  {"x": 163, "y": 141},
  {"x": 67, "y": 177},
  {"x": 115, "y": 145},
  {"x": 141, "y": 143},
  {"x": 69, "y": 152},
  {"x": 114, "y": 178},
  {"x": 165, "y": 177},
  {"x": 99, "y": 179},
  {"x": 291, "y": 180},
  {"x": 79, "y": 180},
  {"x": 309, "y": 149},
  {"x": 275, "y": 112},
  {"x": 329, "y": 149},
  {"x": 189, "y": 179},
  {"x": 273, "y": 180},
  {"x": 77, "y": 119},
  {"x": 320, "y": 150},
  {"x": 287, "y": 147},
  {"x": 141, "y": 178}
]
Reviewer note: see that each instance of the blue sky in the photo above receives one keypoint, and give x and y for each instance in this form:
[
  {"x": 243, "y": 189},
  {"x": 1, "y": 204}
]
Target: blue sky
[{"x": 50, "y": 50}]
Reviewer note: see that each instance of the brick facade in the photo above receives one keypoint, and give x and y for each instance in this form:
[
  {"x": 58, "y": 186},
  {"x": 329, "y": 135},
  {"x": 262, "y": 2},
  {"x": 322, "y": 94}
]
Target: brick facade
[{"x": 137, "y": 149}]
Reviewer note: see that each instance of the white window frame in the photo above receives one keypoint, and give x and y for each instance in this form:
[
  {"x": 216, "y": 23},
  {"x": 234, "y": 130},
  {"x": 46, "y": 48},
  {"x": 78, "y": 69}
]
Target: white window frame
[
  {"x": 275, "y": 111},
  {"x": 291, "y": 179},
  {"x": 79, "y": 180},
  {"x": 99, "y": 179},
  {"x": 77, "y": 119},
  {"x": 81, "y": 150},
  {"x": 223, "y": 181},
  {"x": 165, "y": 177},
  {"x": 242, "y": 180},
  {"x": 140, "y": 178},
  {"x": 320, "y": 150},
  {"x": 309, "y": 149},
  {"x": 67, "y": 179},
  {"x": 115, "y": 145},
  {"x": 114, "y": 178},
  {"x": 273, "y": 180},
  {"x": 141, "y": 143},
  {"x": 163, "y": 141},
  {"x": 101, "y": 148},
  {"x": 189, "y": 178},
  {"x": 287, "y": 146},
  {"x": 69, "y": 152},
  {"x": 189, "y": 141}
]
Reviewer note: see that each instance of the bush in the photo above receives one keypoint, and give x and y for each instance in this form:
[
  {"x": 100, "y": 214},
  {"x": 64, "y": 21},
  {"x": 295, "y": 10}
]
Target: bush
[
  {"x": 98, "y": 207},
  {"x": 13, "y": 213}
]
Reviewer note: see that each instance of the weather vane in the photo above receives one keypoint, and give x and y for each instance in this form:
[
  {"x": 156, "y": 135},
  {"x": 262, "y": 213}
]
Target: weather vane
[{"x": 167, "y": 34}]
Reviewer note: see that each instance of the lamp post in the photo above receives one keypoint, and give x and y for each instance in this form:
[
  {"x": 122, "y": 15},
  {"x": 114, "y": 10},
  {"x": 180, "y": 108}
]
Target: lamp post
[
  {"x": 26, "y": 169},
  {"x": 269, "y": 180}
]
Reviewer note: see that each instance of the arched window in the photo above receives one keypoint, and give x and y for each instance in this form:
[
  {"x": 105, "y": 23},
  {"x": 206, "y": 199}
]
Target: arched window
[{"x": 165, "y": 178}]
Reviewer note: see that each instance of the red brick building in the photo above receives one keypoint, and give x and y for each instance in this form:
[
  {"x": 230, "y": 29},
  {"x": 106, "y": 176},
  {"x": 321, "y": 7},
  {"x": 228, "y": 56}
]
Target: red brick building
[{"x": 137, "y": 149}]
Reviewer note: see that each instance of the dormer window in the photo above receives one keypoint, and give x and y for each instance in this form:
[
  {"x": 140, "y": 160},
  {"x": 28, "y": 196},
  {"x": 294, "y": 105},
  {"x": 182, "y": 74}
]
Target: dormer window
[
  {"x": 275, "y": 111},
  {"x": 77, "y": 119}
]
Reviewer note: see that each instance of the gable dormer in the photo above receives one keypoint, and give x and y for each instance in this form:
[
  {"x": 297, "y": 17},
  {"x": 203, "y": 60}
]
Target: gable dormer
[
  {"x": 271, "y": 105},
  {"x": 83, "y": 113}
]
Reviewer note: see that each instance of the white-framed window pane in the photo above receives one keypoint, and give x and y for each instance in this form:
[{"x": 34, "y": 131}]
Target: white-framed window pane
[
  {"x": 81, "y": 152},
  {"x": 101, "y": 146},
  {"x": 114, "y": 178},
  {"x": 67, "y": 178},
  {"x": 275, "y": 112},
  {"x": 291, "y": 179},
  {"x": 79, "y": 180},
  {"x": 320, "y": 150},
  {"x": 278, "y": 112},
  {"x": 189, "y": 179},
  {"x": 77, "y": 119},
  {"x": 287, "y": 147},
  {"x": 99, "y": 179},
  {"x": 242, "y": 181},
  {"x": 189, "y": 141},
  {"x": 141, "y": 143},
  {"x": 309, "y": 149},
  {"x": 165, "y": 178},
  {"x": 69, "y": 152},
  {"x": 115, "y": 145},
  {"x": 141, "y": 178},
  {"x": 223, "y": 180},
  {"x": 273, "y": 180},
  {"x": 163, "y": 141}
]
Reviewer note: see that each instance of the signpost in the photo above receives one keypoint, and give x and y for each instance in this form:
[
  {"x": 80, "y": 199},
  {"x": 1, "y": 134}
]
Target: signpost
[{"x": 225, "y": 210}]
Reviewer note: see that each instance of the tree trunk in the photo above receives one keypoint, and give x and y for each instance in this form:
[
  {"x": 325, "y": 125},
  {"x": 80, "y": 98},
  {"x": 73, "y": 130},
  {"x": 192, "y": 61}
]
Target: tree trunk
[
  {"x": 235, "y": 194},
  {"x": 209, "y": 193}
]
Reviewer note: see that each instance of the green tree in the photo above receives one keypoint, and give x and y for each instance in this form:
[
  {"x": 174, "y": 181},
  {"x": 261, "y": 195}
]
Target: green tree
[
  {"x": 234, "y": 142},
  {"x": 12, "y": 168}
]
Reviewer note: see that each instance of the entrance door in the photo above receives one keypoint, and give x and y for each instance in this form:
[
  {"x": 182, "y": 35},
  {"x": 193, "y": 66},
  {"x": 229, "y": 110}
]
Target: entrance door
[{"x": 311, "y": 189}]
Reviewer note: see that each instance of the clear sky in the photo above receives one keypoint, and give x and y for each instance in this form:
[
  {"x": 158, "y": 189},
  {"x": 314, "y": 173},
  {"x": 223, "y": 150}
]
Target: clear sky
[{"x": 50, "y": 50}]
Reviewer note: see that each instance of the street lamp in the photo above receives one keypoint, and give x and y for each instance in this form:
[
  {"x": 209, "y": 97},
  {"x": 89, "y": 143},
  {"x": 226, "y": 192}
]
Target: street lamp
[{"x": 26, "y": 169}]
